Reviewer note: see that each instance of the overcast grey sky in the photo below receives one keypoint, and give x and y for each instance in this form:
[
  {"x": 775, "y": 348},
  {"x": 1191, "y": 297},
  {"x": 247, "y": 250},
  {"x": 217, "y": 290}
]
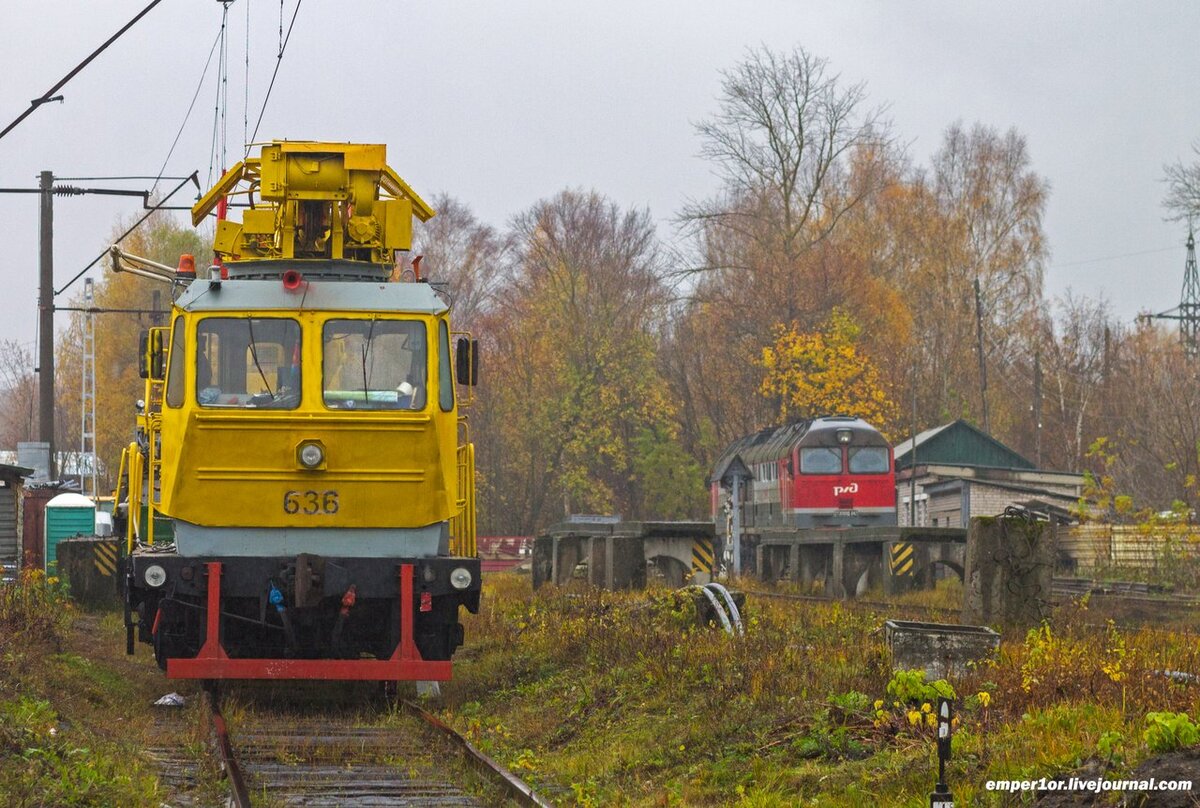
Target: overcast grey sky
[{"x": 504, "y": 103}]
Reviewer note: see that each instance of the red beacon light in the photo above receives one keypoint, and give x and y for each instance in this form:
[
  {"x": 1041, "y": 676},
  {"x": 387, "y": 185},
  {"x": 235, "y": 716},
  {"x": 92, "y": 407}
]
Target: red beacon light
[
  {"x": 292, "y": 280},
  {"x": 186, "y": 271}
]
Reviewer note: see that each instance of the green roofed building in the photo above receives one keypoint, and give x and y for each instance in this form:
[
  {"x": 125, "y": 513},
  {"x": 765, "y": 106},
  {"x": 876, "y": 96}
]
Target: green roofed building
[{"x": 957, "y": 471}]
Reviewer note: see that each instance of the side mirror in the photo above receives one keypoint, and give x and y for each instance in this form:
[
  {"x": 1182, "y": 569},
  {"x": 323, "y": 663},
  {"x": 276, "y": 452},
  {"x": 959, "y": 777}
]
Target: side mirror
[
  {"x": 153, "y": 364},
  {"x": 466, "y": 363},
  {"x": 144, "y": 355}
]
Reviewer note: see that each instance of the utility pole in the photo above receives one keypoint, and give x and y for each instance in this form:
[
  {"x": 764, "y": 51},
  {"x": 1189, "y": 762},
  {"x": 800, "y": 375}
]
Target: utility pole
[
  {"x": 46, "y": 291},
  {"x": 912, "y": 462},
  {"x": 982, "y": 362},
  {"x": 46, "y": 318},
  {"x": 1107, "y": 352},
  {"x": 1037, "y": 405}
]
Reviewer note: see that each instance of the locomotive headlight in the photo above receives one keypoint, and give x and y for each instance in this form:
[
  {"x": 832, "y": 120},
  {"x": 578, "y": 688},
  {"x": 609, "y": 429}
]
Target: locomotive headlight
[
  {"x": 311, "y": 455},
  {"x": 843, "y": 435},
  {"x": 460, "y": 578},
  {"x": 155, "y": 576}
]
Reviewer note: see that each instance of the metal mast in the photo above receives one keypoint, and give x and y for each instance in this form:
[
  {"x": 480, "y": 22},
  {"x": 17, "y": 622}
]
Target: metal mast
[
  {"x": 1189, "y": 302},
  {"x": 87, "y": 400},
  {"x": 1188, "y": 310}
]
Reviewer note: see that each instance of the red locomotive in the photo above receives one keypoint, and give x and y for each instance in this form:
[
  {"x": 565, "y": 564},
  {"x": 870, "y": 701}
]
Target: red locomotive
[{"x": 832, "y": 471}]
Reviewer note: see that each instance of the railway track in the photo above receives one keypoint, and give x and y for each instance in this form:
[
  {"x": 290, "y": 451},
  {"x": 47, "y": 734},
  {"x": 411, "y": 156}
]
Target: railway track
[{"x": 318, "y": 760}]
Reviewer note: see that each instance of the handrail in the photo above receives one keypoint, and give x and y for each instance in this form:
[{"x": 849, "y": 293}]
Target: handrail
[
  {"x": 134, "y": 512},
  {"x": 462, "y": 524}
]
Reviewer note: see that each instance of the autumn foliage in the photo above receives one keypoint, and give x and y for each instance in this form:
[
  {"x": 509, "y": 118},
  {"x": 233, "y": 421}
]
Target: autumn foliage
[
  {"x": 824, "y": 372},
  {"x": 827, "y": 272}
]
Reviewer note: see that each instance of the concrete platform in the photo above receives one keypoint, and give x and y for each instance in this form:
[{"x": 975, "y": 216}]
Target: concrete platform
[
  {"x": 617, "y": 553},
  {"x": 844, "y": 562}
]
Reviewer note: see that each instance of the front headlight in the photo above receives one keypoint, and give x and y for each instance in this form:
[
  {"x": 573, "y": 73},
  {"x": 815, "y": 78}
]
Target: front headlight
[
  {"x": 311, "y": 455},
  {"x": 154, "y": 576},
  {"x": 460, "y": 578}
]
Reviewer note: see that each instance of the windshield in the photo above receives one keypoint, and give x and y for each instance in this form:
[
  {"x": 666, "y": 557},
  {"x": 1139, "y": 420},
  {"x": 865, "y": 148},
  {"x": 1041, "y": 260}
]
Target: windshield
[
  {"x": 868, "y": 460},
  {"x": 248, "y": 362},
  {"x": 374, "y": 364},
  {"x": 821, "y": 460}
]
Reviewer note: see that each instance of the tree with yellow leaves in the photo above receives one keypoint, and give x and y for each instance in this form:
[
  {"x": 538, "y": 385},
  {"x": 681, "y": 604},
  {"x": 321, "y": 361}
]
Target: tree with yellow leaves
[{"x": 823, "y": 372}]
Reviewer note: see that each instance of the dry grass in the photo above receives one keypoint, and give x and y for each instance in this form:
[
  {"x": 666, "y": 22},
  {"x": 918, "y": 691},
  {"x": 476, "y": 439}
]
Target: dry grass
[
  {"x": 74, "y": 712},
  {"x": 618, "y": 698}
]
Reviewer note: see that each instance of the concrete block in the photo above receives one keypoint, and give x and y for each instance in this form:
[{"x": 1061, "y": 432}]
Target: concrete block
[
  {"x": 1008, "y": 571},
  {"x": 941, "y": 650},
  {"x": 93, "y": 568}
]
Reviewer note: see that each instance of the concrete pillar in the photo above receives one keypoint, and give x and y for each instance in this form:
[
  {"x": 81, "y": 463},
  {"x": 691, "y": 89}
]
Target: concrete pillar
[
  {"x": 807, "y": 564},
  {"x": 566, "y": 557},
  {"x": 836, "y": 586},
  {"x": 543, "y": 560},
  {"x": 625, "y": 562},
  {"x": 794, "y": 562},
  {"x": 889, "y": 580},
  {"x": 597, "y": 558}
]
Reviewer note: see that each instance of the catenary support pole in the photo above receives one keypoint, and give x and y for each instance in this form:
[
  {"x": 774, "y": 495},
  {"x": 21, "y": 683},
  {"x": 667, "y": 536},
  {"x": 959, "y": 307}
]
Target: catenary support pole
[{"x": 46, "y": 318}]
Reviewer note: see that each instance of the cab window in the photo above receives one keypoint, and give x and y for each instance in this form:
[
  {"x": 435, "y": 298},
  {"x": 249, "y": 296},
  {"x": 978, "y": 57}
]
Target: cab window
[
  {"x": 868, "y": 460},
  {"x": 175, "y": 394},
  {"x": 374, "y": 364},
  {"x": 821, "y": 460},
  {"x": 248, "y": 362},
  {"x": 445, "y": 374}
]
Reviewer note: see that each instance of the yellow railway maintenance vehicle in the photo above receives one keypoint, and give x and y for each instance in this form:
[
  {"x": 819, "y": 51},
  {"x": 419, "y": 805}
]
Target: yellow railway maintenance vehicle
[{"x": 300, "y": 498}]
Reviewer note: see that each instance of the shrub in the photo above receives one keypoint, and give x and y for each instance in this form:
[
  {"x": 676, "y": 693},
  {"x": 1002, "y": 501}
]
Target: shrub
[
  {"x": 34, "y": 605},
  {"x": 1167, "y": 732},
  {"x": 910, "y": 687}
]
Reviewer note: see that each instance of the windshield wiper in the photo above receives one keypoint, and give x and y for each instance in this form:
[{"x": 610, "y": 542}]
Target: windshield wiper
[
  {"x": 254, "y": 356},
  {"x": 366, "y": 350}
]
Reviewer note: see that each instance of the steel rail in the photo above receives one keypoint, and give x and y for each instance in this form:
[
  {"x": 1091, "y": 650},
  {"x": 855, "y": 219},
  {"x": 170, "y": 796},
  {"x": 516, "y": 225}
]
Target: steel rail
[
  {"x": 521, "y": 791},
  {"x": 239, "y": 795}
]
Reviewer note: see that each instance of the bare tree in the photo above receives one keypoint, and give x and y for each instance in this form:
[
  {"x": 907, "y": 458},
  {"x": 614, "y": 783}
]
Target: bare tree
[
  {"x": 781, "y": 141},
  {"x": 1076, "y": 371},
  {"x": 18, "y": 394},
  {"x": 465, "y": 253},
  {"x": 985, "y": 184},
  {"x": 1183, "y": 189}
]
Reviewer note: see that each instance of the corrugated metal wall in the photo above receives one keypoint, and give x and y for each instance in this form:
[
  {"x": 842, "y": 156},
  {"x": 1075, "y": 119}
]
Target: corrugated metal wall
[
  {"x": 1096, "y": 545},
  {"x": 8, "y": 525}
]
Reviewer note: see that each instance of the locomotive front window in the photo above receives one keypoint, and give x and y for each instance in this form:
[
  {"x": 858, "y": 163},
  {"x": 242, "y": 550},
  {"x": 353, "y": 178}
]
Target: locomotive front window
[
  {"x": 248, "y": 363},
  {"x": 821, "y": 460},
  {"x": 868, "y": 460},
  {"x": 374, "y": 364}
]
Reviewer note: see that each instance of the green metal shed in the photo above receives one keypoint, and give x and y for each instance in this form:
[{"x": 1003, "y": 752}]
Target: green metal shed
[{"x": 67, "y": 515}]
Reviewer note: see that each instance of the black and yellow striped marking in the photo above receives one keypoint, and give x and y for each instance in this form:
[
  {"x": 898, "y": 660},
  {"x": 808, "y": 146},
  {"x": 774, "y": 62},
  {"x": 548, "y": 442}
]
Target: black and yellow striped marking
[
  {"x": 902, "y": 558},
  {"x": 106, "y": 554},
  {"x": 702, "y": 555}
]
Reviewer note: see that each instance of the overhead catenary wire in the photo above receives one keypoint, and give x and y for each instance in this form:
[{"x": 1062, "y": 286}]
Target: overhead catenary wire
[
  {"x": 278, "y": 61},
  {"x": 218, "y": 125},
  {"x": 187, "y": 115},
  {"x": 246, "y": 83},
  {"x": 49, "y": 94}
]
